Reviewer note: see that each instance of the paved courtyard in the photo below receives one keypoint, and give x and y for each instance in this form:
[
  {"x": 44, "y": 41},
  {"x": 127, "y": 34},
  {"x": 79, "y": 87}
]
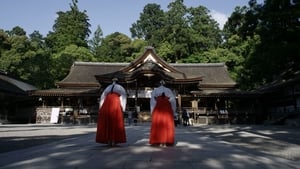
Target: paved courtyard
[{"x": 197, "y": 147}]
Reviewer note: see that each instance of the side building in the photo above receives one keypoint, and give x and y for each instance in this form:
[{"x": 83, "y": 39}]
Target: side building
[
  {"x": 16, "y": 105},
  {"x": 281, "y": 98}
]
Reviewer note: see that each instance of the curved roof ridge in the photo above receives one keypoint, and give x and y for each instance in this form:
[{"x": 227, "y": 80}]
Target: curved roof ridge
[
  {"x": 99, "y": 63},
  {"x": 198, "y": 64}
]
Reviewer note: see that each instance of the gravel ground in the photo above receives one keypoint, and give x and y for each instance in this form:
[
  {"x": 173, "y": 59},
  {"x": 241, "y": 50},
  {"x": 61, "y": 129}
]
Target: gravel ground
[
  {"x": 14, "y": 137},
  {"x": 276, "y": 140},
  {"x": 281, "y": 141}
]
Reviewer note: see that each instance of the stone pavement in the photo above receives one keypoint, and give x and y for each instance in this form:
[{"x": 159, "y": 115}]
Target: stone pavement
[{"x": 198, "y": 147}]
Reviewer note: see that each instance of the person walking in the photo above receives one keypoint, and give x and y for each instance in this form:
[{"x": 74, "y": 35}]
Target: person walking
[
  {"x": 110, "y": 123},
  {"x": 163, "y": 108},
  {"x": 185, "y": 117}
]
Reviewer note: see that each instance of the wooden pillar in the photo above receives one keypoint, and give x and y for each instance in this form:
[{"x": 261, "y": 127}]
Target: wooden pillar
[
  {"x": 136, "y": 93},
  {"x": 62, "y": 102},
  {"x": 179, "y": 102},
  {"x": 195, "y": 104}
]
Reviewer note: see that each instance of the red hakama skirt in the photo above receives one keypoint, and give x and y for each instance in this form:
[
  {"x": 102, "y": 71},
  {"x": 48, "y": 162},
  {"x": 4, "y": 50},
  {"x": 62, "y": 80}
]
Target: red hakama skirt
[
  {"x": 110, "y": 124},
  {"x": 162, "y": 126}
]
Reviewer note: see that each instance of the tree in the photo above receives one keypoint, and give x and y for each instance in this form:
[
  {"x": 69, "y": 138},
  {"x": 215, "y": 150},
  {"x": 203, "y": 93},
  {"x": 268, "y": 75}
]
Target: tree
[
  {"x": 70, "y": 34},
  {"x": 11, "y": 59},
  {"x": 4, "y": 42},
  {"x": 96, "y": 41},
  {"x": 177, "y": 30},
  {"x": 278, "y": 27},
  {"x": 70, "y": 27},
  {"x": 63, "y": 60},
  {"x": 39, "y": 66},
  {"x": 115, "y": 48},
  {"x": 205, "y": 33},
  {"x": 37, "y": 40},
  {"x": 137, "y": 49},
  {"x": 17, "y": 30},
  {"x": 241, "y": 39},
  {"x": 26, "y": 58},
  {"x": 151, "y": 21}
]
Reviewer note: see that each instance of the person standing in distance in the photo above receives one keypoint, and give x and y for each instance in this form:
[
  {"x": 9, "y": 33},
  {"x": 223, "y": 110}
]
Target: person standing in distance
[
  {"x": 163, "y": 108},
  {"x": 110, "y": 124}
]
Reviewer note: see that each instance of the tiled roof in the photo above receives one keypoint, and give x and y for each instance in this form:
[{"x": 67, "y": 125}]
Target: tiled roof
[
  {"x": 86, "y": 75},
  {"x": 13, "y": 86},
  {"x": 213, "y": 74},
  {"x": 83, "y": 73},
  {"x": 287, "y": 79}
]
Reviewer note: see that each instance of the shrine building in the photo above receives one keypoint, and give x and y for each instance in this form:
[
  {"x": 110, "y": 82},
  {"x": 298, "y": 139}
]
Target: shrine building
[{"x": 205, "y": 90}]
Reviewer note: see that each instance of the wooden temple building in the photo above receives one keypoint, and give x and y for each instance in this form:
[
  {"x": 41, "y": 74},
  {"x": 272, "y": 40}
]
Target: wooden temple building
[
  {"x": 205, "y": 90},
  {"x": 284, "y": 105},
  {"x": 16, "y": 106}
]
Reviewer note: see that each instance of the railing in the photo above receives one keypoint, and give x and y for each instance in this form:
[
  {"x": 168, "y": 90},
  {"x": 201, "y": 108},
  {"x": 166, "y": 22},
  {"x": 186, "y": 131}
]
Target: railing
[
  {"x": 207, "y": 115},
  {"x": 67, "y": 115}
]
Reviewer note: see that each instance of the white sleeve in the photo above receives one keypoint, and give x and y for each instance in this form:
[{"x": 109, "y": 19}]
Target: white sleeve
[
  {"x": 152, "y": 100},
  {"x": 172, "y": 99},
  {"x": 103, "y": 95},
  {"x": 123, "y": 96}
]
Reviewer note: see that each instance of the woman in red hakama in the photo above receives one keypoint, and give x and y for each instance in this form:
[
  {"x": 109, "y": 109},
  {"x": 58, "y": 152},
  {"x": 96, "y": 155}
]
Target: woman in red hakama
[
  {"x": 163, "y": 106},
  {"x": 110, "y": 124}
]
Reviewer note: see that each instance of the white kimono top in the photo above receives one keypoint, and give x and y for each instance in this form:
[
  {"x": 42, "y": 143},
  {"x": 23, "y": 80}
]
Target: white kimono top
[
  {"x": 158, "y": 92},
  {"x": 117, "y": 89}
]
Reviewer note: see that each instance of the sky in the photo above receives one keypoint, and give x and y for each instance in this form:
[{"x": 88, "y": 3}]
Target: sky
[{"x": 111, "y": 15}]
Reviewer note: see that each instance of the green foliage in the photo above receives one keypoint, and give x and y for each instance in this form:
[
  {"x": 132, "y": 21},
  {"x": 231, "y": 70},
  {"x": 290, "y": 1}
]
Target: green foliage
[
  {"x": 115, "y": 48},
  {"x": 11, "y": 59},
  {"x": 179, "y": 32},
  {"x": 18, "y": 31},
  {"x": 63, "y": 60},
  {"x": 272, "y": 32},
  {"x": 258, "y": 42},
  {"x": 70, "y": 27},
  {"x": 176, "y": 30},
  {"x": 4, "y": 43},
  {"x": 165, "y": 51},
  {"x": 69, "y": 41},
  {"x": 96, "y": 41},
  {"x": 138, "y": 47},
  {"x": 40, "y": 61},
  {"x": 205, "y": 33},
  {"x": 26, "y": 58},
  {"x": 151, "y": 21}
]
